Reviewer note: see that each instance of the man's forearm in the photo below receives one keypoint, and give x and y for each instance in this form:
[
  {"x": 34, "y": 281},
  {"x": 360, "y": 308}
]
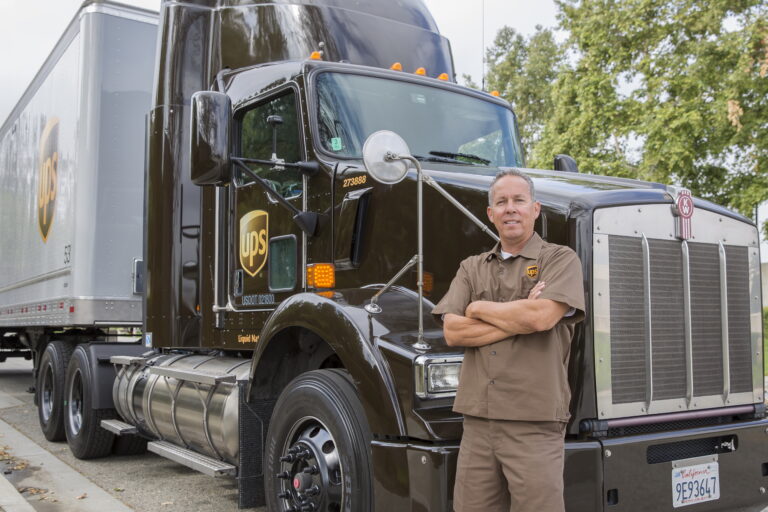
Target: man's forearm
[
  {"x": 461, "y": 331},
  {"x": 520, "y": 316}
]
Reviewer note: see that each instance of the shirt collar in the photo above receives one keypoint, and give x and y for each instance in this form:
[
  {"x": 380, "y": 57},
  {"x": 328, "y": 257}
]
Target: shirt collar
[{"x": 530, "y": 251}]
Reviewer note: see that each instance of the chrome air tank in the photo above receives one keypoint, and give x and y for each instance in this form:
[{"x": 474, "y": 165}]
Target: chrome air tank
[{"x": 184, "y": 411}]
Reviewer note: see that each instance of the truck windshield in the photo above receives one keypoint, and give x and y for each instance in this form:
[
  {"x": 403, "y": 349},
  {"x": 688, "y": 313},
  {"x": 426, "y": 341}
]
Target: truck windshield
[{"x": 437, "y": 124}]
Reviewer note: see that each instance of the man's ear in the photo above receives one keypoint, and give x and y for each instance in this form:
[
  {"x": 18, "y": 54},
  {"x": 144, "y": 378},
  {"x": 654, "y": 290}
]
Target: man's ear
[
  {"x": 537, "y": 209},
  {"x": 489, "y": 211}
]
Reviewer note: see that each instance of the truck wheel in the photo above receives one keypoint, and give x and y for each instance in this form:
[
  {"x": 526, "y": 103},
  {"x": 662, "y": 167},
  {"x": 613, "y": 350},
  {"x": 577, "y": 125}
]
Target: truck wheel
[
  {"x": 50, "y": 389},
  {"x": 318, "y": 447},
  {"x": 82, "y": 424}
]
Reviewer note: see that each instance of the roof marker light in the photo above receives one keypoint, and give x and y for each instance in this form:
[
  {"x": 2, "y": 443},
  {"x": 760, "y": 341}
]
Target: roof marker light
[
  {"x": 316, "y": 56},
  {"x": 495, "y": 94},
  {"x": 421, "y": 72},
  {"x": 396, "y": 67},
  {"x": 443, "y": 76}
]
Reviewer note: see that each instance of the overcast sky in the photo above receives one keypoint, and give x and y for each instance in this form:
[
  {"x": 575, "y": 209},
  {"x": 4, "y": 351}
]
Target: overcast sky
[{"x": 29, "y": 29}]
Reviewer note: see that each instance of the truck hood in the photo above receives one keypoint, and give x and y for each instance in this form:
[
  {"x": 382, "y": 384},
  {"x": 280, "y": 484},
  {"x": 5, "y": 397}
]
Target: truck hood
[{"x": 564, "y": 190}]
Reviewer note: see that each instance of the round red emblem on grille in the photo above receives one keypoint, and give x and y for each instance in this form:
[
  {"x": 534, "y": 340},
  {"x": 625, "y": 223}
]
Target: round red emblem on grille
[{"x": 685, "y": 206}]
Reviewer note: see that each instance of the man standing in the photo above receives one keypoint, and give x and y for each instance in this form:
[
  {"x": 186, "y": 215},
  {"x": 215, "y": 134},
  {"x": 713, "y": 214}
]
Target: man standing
[{"x": 514, "y": 308}]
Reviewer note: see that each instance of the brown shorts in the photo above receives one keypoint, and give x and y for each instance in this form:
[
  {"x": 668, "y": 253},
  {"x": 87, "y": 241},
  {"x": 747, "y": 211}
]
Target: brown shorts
[{"x": 512, "y": 466}]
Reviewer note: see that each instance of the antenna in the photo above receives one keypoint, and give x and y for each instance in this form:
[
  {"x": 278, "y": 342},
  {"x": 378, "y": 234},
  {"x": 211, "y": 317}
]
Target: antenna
[{"x": 482, "y": 42}]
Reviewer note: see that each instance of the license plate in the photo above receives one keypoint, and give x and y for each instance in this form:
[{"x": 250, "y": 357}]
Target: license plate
[{"x": 695, "y": 484}]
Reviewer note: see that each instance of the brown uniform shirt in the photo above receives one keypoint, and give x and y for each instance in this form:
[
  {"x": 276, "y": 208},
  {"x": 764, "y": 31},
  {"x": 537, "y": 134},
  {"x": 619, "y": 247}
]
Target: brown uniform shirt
[{"x": 523, "y": 377}]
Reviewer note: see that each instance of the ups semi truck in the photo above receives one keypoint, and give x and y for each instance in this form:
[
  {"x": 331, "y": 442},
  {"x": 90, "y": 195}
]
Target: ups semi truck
[{"x": 270, "y": 198}]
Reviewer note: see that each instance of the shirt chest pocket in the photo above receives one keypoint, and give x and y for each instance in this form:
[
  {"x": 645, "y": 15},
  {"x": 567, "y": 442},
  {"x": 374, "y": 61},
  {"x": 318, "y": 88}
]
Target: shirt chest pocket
[
  {"x": 507, "y": 285},
  {"x": 525, "y": 286}
]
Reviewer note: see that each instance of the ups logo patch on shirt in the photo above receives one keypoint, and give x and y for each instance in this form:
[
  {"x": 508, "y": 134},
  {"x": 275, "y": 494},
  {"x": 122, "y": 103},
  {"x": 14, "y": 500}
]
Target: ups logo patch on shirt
[{"x": 532, "y": 271}]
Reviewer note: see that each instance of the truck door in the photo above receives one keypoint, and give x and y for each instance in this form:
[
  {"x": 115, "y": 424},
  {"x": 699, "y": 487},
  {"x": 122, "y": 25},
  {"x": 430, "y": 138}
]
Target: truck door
[{"x": 265, "y": 256}]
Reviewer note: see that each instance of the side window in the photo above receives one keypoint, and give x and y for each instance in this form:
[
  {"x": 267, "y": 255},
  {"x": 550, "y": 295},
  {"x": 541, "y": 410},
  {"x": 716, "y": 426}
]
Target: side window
[
  {"x": 282, "y": 263},
  {"x": 276, "y": 118}
]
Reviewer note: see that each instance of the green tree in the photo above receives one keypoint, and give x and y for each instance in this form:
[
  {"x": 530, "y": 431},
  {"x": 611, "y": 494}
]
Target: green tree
[
  {"x": 671, "y": 91},
  {"x": 523, "y": 71}
]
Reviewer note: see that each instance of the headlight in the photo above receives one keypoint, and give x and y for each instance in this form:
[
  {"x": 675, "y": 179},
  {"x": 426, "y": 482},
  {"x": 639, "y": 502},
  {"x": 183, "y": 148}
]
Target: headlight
[{"x": 437, "y": 376}]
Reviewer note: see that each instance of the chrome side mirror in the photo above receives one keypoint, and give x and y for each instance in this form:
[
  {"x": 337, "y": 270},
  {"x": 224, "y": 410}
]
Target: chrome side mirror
[{"x": 381, "y": 156}]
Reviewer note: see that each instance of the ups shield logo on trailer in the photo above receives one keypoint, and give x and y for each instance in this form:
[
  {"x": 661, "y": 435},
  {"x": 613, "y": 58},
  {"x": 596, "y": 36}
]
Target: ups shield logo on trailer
[
  {"x": 254, "y": 233},
  {"x": 48, "y": 183}
]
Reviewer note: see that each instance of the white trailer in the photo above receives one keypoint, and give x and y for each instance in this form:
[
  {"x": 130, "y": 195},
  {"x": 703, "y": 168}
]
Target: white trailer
[{"x": 72, "y": 177}]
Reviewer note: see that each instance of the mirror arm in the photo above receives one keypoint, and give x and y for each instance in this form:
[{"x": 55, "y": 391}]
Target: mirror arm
[
  {"x": 307, "y": 221},
  {"x": 308, "y": 168},
  {"x": 429, "y": 180}
]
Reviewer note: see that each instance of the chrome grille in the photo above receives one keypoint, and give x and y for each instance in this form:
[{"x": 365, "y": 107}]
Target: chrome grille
[
  {"x": 627, "y": 346},
  {"x": 677, "y": 323},
  {"x": 738, "y": 318},
  {"x": 667, "y": 313},
  {"x": 628, "y": 352},
  {"x": 705, "y": 319}
]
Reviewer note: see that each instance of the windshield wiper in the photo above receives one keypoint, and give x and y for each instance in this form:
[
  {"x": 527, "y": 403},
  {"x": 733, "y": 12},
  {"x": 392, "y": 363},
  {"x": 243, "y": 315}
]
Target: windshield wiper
[
  {"x": 459, "y": 156},
  {"x": 441, "y": 159}
]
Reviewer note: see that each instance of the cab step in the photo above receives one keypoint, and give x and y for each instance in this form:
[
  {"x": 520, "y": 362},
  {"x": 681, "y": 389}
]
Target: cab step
[
  {"x": 190, "y": 375},
  {"x": 119, "y": 428},
  {"x": 193, "y": 460}
]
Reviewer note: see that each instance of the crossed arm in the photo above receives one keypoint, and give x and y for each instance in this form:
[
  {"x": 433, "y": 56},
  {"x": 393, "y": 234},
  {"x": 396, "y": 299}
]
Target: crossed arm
[{"x": 487, "y": 322}]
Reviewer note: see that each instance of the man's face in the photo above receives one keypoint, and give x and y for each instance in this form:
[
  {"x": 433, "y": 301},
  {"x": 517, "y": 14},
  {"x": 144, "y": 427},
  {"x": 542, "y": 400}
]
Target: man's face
[{"x": 512, "y": 211}]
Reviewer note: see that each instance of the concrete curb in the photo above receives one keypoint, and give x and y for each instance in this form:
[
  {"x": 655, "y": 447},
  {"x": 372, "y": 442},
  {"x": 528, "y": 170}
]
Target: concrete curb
[
  {"x": 11, "y": 500},
  {"x": 72, "y": 491}
]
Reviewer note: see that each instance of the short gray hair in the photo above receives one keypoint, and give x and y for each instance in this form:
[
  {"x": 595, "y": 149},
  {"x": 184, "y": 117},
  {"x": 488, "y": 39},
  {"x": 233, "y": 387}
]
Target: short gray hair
[{"x": 511, "y": 172}]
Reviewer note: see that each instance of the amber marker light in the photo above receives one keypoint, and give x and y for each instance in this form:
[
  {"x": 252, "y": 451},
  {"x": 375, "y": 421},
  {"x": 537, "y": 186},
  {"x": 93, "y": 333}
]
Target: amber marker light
[
  {"x": 495, "y": 94},
  {"x": 443, "y": 76},
  {"x": 421, "y": 72},
  {"x": 429, "y": 282},
  {"x": 316, "y": 56},
  {"x": 396, "y": 67},
  {"x": 321, "y": 275}
]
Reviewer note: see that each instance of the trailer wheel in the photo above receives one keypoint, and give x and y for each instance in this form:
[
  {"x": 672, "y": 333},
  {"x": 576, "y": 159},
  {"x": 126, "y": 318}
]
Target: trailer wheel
[
  {"x": 318, "y": 447},
  {"x": 82, "y": 424},
  {"x": 50, "y": 389}
]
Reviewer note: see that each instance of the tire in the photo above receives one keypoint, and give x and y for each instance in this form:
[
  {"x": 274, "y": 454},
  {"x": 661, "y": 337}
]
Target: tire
[
  {"x": 50, "y": 389},
  {"x": 82, "y": 423},
  {"x": 129, "y": 444},
  {"x": 318, "y": 424}
]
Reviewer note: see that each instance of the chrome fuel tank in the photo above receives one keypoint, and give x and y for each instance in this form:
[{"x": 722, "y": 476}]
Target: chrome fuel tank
[{"x": 184, "y": 411}]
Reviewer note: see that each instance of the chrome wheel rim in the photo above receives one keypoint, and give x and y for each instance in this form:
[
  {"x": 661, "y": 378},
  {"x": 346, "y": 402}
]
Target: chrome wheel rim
[
  {"x": 46, "y": 393},
  {"x": 75, "y": 403}
]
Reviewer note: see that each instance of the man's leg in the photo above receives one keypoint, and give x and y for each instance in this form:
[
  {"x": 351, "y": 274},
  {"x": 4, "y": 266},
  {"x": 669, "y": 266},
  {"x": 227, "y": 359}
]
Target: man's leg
[
  {"x": 531, "y": 456},
  {"x": 480, "y": 484}
]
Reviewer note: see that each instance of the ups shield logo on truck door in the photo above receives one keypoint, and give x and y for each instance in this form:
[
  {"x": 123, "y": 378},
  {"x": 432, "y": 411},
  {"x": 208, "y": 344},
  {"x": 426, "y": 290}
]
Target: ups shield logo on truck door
[
  {"x": 254, "y": 233},
  {"x": 48, "y": 183}
]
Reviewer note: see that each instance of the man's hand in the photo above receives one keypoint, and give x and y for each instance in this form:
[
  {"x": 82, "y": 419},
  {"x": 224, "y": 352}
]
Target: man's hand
[{"x": 536, "y": 290}]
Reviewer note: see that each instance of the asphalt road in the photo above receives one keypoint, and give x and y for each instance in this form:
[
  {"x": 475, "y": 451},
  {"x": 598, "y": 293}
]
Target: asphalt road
[{"x": 140, "y": 483}]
